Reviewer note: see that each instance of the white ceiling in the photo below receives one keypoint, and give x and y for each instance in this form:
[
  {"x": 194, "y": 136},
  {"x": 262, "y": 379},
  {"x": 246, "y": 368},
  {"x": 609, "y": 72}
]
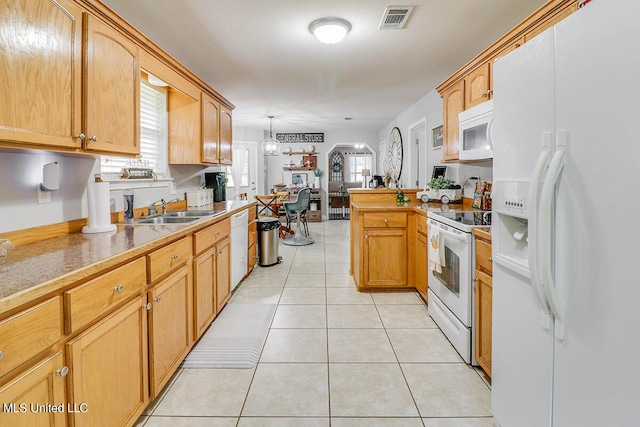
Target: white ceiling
[{"x": 260, "y": 55}]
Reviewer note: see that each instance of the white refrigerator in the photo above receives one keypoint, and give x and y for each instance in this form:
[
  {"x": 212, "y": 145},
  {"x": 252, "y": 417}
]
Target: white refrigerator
[{"x": 566, "y": 251}]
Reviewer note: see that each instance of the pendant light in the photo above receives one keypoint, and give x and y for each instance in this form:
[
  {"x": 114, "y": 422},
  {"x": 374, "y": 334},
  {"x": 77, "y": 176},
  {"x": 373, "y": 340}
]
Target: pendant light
[{"x": 270, "y": 146}]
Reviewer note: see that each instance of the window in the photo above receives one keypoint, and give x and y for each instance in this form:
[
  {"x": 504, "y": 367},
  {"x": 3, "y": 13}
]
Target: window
[
  {"x": 245, "y": 173},
  {"x": 356, "y": 162},
  {"x": 153, "y": 134}
]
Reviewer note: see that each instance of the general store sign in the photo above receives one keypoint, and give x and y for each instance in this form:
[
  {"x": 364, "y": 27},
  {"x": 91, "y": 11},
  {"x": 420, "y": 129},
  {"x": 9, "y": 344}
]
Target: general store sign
[{"x": 293, "y": 137}]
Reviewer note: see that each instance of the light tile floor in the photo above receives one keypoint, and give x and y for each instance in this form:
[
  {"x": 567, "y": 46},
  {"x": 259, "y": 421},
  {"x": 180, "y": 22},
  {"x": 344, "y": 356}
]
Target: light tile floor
[{"x": 332, "y": 357}]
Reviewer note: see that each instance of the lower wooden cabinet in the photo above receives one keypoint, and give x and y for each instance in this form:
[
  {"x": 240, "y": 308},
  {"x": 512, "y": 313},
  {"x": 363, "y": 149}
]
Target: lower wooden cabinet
[
  {"x": 484, "y": 299},
  {"x": 170, "y": 326},
  {"x": 109, "y": 368},
  {"x": 204, "y": 291},
  {"x": 25, "y": 398},
  {"x": 385, "y": 258},
  {"x": 252, "y": 259},
  {"x": 223, "y": 273},
  {"x": 421, "y": 264},
  {"x": 483, "y": 326}
]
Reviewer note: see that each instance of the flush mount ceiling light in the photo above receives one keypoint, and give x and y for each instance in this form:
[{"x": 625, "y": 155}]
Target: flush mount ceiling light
[
  {"x": 270, "y": 146},
  {"x": 330, "y": 30}
]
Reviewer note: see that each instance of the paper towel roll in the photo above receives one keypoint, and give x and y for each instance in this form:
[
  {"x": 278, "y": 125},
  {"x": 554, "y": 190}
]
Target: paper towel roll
[{"x": 99, "y": 208}]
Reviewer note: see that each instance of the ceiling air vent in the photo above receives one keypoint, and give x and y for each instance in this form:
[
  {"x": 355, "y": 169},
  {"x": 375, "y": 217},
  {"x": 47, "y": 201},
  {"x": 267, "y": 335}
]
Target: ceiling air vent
[{"x": 395, "y": 17}]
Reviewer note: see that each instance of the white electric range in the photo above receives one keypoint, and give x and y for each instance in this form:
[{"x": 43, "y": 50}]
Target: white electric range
[{"x": 451, "y": 292}]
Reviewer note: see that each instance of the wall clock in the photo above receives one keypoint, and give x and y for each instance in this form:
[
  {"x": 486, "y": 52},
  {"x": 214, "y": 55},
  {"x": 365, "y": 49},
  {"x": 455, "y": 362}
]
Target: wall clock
[{"x": 394, "y": 154}]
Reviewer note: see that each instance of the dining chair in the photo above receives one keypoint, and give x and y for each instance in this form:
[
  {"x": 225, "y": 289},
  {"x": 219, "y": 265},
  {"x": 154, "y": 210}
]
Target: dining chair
[{"x": 297, "y": 210}]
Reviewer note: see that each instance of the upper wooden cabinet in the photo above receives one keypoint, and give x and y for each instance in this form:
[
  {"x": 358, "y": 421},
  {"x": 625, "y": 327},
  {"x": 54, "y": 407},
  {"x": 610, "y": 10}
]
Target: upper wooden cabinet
[
  {"x": 210, "y": 129},
  {"x": 216, "y": 132},
  {"x": 184, "y": 128},
  {"x": 453, "y": 103},
  {"x": 477, "y": 86},
  {"x": 41, "y": 74},
  {"x": 71, "y": 82},
  {"x": 226, "y": 137},
  {"x": 112, "y": 92},
  {"x": 473, "y": 83}
]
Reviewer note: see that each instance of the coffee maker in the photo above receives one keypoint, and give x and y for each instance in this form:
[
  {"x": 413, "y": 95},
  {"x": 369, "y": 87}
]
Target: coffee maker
[{"x": 217, "y": 181}]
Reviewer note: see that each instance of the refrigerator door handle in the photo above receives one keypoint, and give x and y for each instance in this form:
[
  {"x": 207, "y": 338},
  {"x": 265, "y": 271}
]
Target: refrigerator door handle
[
  {"x": 546, "y": 220},
  {"x": 534, "y": 272}
]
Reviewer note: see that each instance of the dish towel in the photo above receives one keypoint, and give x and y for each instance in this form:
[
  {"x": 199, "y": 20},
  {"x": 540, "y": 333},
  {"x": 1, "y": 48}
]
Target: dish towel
[{"x": 436, "y": 251}]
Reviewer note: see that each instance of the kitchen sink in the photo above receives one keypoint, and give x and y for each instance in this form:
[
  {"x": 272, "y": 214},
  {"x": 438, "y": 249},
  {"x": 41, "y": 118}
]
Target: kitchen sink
[
  {"x": 180, "y": 214},
  {"x": 161, "y": 219},
  {"x": 176, "y": 217}
]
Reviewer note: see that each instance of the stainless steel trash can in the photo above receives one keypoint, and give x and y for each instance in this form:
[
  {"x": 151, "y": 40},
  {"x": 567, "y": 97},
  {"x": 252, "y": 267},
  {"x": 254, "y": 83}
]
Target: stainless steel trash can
[{"x": 268, "y": 229}]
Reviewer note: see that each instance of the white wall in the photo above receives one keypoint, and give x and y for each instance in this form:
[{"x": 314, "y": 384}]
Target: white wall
[
  {"x": 429, "y": 107},
  {"x": 21, "y": 173}
]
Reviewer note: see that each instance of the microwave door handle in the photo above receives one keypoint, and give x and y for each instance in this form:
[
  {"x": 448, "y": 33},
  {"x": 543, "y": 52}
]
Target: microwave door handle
[{"x": 490, "y": 133}]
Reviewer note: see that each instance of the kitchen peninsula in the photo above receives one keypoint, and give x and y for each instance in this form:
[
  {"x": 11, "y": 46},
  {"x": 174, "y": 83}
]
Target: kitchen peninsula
[{"x": 386, "y": 237}]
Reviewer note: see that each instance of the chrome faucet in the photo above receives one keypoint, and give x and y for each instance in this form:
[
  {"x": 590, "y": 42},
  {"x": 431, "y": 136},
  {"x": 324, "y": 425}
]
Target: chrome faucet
[{"x": 152, "y": 207}]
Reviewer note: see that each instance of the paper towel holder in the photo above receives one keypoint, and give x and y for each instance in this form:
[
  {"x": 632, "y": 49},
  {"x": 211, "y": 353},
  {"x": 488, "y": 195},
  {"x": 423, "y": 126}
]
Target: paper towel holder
[{"x": 50, "y": 177}]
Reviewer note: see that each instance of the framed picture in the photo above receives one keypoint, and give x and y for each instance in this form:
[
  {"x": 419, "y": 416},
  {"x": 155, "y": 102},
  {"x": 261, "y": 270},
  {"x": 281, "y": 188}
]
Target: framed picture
[
  {"x": 299, "y": 179},
  {"x": 439, "y": 172},
  {"x": 436, "y": 137}
]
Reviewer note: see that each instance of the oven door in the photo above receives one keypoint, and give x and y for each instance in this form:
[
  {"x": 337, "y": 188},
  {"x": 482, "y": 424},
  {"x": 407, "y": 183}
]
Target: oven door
[{"x": 453, "y": 285}]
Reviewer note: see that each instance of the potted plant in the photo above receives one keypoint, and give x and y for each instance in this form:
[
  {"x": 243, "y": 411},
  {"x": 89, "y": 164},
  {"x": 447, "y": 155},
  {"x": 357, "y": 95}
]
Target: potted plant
[
  {"x": 445, "y": 190},
  {"x": 317, "y": 174}
]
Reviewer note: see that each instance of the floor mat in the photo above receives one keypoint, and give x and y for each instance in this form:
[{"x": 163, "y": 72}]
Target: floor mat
[{"x": 234, "y": 339}]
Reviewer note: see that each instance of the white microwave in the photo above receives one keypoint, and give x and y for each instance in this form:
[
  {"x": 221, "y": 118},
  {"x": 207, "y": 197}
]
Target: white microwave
[{"x": 475, "y": 132}]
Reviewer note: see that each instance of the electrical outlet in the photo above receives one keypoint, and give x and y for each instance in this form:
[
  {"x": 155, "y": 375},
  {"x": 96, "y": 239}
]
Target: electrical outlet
[{"x": 44, "y": 196}]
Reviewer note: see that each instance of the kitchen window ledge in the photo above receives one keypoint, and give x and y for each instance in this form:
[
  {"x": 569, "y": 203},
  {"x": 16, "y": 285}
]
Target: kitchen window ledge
[{"x": 132, "y": 184}]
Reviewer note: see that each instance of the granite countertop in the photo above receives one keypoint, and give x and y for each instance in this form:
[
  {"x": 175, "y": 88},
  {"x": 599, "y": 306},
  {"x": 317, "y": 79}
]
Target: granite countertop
[{"x": 39, "y": 268}]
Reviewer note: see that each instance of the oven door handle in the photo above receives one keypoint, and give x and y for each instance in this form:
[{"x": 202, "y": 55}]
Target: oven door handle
[{"x": 462, "y": 238}]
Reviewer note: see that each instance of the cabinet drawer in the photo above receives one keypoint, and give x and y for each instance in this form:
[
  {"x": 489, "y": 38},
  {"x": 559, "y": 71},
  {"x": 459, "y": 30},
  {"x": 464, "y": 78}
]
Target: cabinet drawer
[
  {"x": 483, "y": 256},
  {"x": 253, "y": 232},
  {"x": 165, "y": 260},
  {"x": 87, "y": 302},
  {"x": 206, "y": 238},
  {"x": 384, "y": 220},
  {"x": 29, "y": 332}
]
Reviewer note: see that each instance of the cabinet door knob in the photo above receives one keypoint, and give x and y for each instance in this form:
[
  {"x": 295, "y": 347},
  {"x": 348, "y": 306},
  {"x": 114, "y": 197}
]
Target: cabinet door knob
[
  {"x": 1, "y": 356},
  {"x": 147, "y": 306},
  {"x": 386, "y": 220},
  {"x": 491, "y": 260},
  {"x": 62, "y": 371},
  {"x": 158, "y": 299},
  {"x": 94, "y": 138},
  {"x": 81, "y": 137},
  {"x": 366, "y": 237},
  {"x": 118, "y": 288},
  {"x": 176, "y": 256}
]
